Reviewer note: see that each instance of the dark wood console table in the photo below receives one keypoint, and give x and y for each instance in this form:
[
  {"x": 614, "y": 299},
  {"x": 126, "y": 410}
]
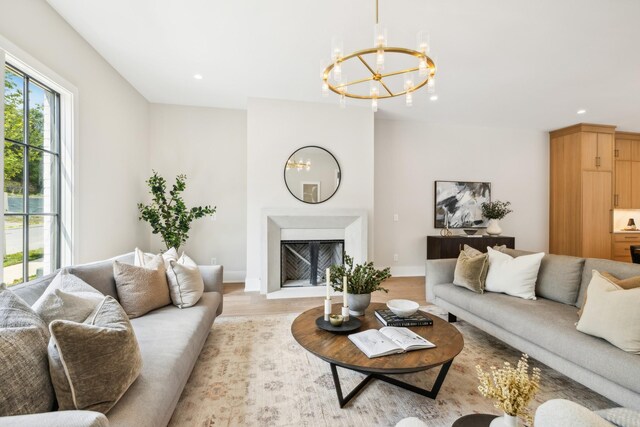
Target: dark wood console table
[{"x": 450, "y": 247}]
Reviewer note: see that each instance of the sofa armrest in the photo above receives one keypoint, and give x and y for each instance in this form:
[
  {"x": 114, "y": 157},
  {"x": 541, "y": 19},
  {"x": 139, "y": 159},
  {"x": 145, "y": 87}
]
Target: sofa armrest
[
  {"x": 437, "y": 272},
  {"x": 212, "y": 277},
  {"x": 57, "y": 419}
]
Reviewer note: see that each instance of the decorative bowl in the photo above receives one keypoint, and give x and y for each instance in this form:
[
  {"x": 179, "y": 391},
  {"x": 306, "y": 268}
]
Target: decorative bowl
[
  {"x": 471, "y": 231},
  {"x": 336, "y": 319},
  {"x": 403, "y": 307}
]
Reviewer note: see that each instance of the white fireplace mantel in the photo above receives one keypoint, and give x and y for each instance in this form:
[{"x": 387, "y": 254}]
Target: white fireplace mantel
[{"x": 276, "y": 222}]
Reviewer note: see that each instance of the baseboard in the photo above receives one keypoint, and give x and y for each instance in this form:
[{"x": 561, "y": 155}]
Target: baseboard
[
  {"x": 408, "y": 271},
  {"x": 251, "y": 284},
  {"x": 234, "y": 276}
]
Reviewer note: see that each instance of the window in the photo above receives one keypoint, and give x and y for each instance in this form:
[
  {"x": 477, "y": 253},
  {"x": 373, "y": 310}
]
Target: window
[{"x": 31, "y": 178}]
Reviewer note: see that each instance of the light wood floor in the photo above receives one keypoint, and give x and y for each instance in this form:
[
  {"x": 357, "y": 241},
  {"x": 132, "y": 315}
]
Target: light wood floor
[{"x": 237, "y": 302}]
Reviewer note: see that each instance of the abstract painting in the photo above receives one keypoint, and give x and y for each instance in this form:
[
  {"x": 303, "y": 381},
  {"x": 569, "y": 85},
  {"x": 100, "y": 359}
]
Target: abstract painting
[{"x": 460, "y": 203}]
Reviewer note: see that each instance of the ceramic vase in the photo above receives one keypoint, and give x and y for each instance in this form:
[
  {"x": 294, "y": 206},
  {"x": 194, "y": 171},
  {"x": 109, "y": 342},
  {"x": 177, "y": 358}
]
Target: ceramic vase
[
  {"x": 358, "y": 303},
  {"x": 505, "y": 421},
  {"x": 494, "y": 227}
]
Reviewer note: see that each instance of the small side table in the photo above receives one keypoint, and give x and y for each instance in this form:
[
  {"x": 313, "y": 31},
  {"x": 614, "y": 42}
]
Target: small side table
[{"x": 474, "y": 420}]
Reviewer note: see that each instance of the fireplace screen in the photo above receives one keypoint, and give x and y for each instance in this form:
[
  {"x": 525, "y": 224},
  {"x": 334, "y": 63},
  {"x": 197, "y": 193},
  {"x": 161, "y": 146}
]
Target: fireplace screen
[{"x": 304, "y": 262}]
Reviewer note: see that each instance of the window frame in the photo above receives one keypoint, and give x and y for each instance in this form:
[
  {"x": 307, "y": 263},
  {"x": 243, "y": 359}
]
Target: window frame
[{"x": 26, "y": 145}]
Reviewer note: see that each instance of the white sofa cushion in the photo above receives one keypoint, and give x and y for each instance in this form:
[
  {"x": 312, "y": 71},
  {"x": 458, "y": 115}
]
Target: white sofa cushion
[{"x": 513, "y": 276}]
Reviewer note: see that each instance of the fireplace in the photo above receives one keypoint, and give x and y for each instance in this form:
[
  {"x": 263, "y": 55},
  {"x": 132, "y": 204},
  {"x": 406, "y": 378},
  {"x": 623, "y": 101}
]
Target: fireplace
[{"x": 304, "y": 262}]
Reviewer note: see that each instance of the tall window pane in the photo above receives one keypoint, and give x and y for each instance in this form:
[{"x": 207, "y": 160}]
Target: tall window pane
[
  {"x": 14, "y": 177},
  {"x": 13, "y": 106},
  {"x": 32, "y": 178}
]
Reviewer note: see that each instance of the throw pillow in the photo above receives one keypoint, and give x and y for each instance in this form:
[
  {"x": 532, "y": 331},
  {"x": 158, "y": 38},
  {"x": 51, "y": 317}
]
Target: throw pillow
[
  {"x": 141, "y": 289},
  {"x": 68, "y": 298},
  {"x": 24, "y": 369},
  {"x": 513, "y": 276},
  {"x": 471, "y": 270},
  {"x": 141, "y": 259},
  {"x": 92, "y": 364},
  {"x": 611, "y": 313},
  {"x": 630, "y": 283},
  {"x": 471, "y": 251},
  {"x": 185, "y": 282}
]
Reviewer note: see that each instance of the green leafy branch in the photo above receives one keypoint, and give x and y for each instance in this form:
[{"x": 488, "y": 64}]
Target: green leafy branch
[
  {"x": 167, "y": 214},
  {"x": 361, "y": 278}
]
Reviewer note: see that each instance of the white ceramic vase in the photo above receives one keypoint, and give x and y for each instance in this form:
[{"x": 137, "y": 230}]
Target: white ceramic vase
[
  {"x": 494, "y": 227},
  {"x": 358, "y": 303},
  {"x": 505, "y": 421}
]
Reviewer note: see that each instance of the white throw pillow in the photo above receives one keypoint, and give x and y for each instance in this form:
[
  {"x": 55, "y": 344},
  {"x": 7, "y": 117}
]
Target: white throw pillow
[
  {"x": 611, "y": 312},
  {"x": 185, "y": 282},
  {"x": 67, "y": 298},
  {"x": 141, "y": 259},
  {"x": 513, "y": 276}
]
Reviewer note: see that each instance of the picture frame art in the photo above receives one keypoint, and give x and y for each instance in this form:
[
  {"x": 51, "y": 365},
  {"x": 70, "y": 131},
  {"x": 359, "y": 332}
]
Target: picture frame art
[{"x": 460, "y": 204}]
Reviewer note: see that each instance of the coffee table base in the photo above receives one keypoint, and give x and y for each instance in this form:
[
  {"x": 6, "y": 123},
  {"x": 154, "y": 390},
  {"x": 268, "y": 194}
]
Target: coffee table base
[{"x": 373, "y": 375}]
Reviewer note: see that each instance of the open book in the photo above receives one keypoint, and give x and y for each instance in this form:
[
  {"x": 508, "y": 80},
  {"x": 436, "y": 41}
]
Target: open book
[{"x": 388, "y": 340}]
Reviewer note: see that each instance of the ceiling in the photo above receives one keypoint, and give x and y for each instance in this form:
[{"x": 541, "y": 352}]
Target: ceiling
[{"x": 508, "y": 63}]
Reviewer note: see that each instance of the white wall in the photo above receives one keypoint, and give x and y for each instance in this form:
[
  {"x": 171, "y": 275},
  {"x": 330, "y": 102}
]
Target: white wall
[
  {"x": 209, "y": 145},
  {"x": 275, "y": 129},
  {"x": 111, "y": 143},
  {"x": 410, "y": 156}
]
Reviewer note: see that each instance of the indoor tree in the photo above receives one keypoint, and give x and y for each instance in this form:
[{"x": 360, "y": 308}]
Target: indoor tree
[{"x": 167, "y": 213}]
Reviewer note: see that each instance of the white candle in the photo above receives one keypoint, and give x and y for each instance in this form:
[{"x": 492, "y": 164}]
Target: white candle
[
  {"x": 328, "y": 282},
  {"x": 344, "y": 291}
]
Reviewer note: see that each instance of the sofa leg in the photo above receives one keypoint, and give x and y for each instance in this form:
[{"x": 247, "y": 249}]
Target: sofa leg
[{"x": 451, "y": 318}]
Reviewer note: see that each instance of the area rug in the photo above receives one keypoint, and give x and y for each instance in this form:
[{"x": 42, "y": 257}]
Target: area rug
[{"x": 252, "y": 372}]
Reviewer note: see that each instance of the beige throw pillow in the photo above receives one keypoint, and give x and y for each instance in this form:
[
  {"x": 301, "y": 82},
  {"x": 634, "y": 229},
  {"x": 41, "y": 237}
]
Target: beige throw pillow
[
  {"x": 630, "y": 283},
  {"x": 185, "y": 282},
  {"x": 67, "y": 298},
  {"x": 25, "y": 386},
  {"x": 611, "y": 313},
  {"x": 471, "y": 270},
  {"x": 141, "y": 289},
  {"x": 92, "y": 364}
]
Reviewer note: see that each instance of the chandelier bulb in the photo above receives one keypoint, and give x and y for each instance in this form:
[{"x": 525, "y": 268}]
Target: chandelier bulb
[
  {"x": 325, "y": 89},
  {"x": 431, "y": 85},
  {"x": 423, "y": 68},
  {"x": 409, "y": 99},
  {"x": 343, "y": 101},
  {"x": 380, "y": 59},
  {"x": 374, "y": 105},
  {"x": 337, "y": 71}
]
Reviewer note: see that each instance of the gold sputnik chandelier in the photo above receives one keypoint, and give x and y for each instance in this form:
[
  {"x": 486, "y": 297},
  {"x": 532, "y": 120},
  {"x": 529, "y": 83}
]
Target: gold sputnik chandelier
[{"x": 373, "y": 65}]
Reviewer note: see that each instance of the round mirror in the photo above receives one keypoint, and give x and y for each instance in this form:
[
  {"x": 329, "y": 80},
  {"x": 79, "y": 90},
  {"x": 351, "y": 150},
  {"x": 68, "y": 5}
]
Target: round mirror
[{"x": 312, "y": 174}]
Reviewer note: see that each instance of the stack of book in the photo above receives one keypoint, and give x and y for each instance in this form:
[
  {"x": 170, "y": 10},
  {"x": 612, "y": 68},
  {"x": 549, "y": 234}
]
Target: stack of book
[{"x": 387, "y": 318}]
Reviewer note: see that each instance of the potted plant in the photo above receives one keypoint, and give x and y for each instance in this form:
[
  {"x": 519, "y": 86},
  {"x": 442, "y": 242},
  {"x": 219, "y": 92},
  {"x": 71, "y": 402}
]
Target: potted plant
[
  {"x": 167, "y": 213},
  {"x": 362, "y": 279},
  {"x": 494, "y": 212},
  {"x": 512, "y": 389}
]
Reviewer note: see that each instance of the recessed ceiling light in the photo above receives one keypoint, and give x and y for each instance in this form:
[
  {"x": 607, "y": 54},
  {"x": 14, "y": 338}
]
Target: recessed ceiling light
[
  {"x": 197, "y": 76},
  {"x": 581, "y": 111},
  {"x": 434, "y": 97}
]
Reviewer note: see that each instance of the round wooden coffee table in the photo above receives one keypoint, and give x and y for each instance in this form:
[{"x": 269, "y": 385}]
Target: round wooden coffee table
[{"x": 338, "y": 350}]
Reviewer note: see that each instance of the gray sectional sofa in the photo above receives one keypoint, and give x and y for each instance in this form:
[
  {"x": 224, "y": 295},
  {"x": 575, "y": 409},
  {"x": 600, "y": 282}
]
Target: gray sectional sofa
[
  {"x": 545, "y": 328},
  {"x": 170, "y": 341}
]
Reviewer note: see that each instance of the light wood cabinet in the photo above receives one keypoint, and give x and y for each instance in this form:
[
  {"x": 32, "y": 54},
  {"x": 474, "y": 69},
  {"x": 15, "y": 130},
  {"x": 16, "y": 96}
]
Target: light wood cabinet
[
  {"x": 622, "y": 194},
  {"x": 581, "y": 190},
  {"x": 621, "y": 244},
  {"x": 627, "y": 171}
]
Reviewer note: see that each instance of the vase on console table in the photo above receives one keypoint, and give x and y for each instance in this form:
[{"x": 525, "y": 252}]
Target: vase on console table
[
  {"x": 493, "y": 228},
  {"x": 505, "y": 421}
]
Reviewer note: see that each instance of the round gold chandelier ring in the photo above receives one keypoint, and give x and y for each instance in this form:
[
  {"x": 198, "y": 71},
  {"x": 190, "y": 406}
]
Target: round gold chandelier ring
[{"x": 379, "y": 77}]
